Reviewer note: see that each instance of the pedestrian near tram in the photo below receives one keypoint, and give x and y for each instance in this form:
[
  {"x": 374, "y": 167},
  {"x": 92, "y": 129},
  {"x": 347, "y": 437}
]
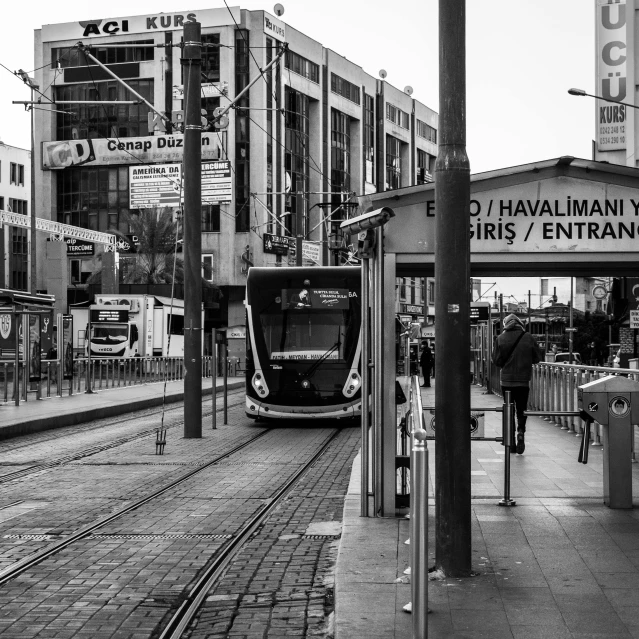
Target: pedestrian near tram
[
  {"x": 515, "y": 352},
  {"x": 426, "y": 362}
]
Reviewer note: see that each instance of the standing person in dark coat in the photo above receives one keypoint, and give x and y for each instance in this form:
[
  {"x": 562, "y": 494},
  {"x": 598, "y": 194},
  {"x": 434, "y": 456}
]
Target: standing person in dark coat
[
  {"x": 426, "y": 362},
  {"x": 515, "y": 352}
]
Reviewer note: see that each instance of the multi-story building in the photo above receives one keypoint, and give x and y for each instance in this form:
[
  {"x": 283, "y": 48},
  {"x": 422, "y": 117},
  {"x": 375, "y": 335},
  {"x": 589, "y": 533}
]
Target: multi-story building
[
  {"x": 15, "y": 196},
  {"x": 315, "y": 131}
]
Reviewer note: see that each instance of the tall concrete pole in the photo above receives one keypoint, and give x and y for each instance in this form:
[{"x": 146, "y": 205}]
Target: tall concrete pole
[
  {"x": 452, "y": 306},
  {"x": 191, "y": 64}
]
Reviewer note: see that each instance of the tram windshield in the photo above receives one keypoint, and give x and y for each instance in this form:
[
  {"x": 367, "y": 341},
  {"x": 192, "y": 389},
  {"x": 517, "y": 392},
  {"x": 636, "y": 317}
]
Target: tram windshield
[{"x": 305, "y": 335}]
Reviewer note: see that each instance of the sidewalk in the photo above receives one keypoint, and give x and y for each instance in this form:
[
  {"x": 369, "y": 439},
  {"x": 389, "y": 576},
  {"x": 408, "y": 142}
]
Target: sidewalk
[
  {"x": 55, "y": 412},
  {"x": 558, "y": 565}
]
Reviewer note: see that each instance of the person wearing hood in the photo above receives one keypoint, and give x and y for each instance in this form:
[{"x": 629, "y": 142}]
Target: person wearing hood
[{"x": 515, "y": 352}]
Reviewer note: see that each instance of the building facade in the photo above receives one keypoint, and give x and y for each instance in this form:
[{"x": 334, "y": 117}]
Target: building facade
[
  {"x": 15, "y": 197},
  {"x": 312, "y": 134}
]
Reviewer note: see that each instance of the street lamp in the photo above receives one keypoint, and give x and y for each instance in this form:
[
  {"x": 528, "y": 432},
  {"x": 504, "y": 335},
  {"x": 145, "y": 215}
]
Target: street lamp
[{"x": 582, "y": 93}]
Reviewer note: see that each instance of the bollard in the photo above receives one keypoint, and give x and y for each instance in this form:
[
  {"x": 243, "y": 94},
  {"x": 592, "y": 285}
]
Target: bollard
[
  {"x": 585, "y": 442},
  {"x": 419, "y": 534},
  {"x": 160, "y": 441},
  {"x": 507, "y": 432}
]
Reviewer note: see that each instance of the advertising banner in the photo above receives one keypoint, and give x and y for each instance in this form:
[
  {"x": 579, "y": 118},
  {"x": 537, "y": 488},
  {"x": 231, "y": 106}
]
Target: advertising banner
[
  {"x": 66, "y": 344},
  {"x": 145, "y": 150},
  {"x": 216, "y": 182},
  {"x": 35, "y": 348},
  {"x": 334, "y": 298},
  {"x": 155, "y": 186},
  {"x": 8, "y": 322},
  {"x": 79, "y": 248},
  {"x": 611, "y": 37}
]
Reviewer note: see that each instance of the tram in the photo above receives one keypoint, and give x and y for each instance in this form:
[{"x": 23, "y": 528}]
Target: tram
[{"x": 303, "y": 342}]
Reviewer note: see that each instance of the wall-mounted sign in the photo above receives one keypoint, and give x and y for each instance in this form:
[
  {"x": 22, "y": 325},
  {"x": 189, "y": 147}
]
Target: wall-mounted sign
[
  {"x": 611, "y": 37},
  {"x": 155, "y": 186},
  {"x": 109, "y": 315},
  {"x": 145, "y": 150},
  {"x": 274, "y": 28},
  {"x": 236, "y": 332},
  {"x": 216, "y": 182},
  {"x": 79, "y": 248},
  {"x": 209, "y": 90},
  {"x": 412, "y": 308},
  {"x": 149, "y": 24},
  {"x": 311, "y": 251},
  {"x": 277, "y": 244}
]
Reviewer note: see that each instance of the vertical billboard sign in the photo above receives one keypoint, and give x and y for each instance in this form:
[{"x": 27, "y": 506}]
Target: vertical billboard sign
[
  {"x": 611, "y": 37},
  {"x": 35, "y": 350},
  {"x": 66, "y": 346}
]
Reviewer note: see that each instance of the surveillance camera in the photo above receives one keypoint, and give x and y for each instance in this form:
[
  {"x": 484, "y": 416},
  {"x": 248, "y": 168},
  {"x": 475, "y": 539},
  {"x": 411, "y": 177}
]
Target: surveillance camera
[{"x": 370, "y": 220}]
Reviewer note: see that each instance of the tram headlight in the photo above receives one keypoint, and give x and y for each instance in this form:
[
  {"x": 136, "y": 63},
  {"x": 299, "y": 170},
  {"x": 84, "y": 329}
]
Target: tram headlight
[
  {"x": 259, "y": 384},
  {"x": 306, "y": 384},
  {"x": 352, "y": 385}
]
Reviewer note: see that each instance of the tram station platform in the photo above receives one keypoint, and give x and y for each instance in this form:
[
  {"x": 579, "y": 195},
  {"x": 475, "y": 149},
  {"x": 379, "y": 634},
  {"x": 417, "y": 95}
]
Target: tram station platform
[
  {"x": 559, "y": 564},
  {"x": 56, "y": 412}
]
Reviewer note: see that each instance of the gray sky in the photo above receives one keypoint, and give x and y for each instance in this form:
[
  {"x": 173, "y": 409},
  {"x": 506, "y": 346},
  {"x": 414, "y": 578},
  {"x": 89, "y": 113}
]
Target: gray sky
[{"x": 522, "y": 56}]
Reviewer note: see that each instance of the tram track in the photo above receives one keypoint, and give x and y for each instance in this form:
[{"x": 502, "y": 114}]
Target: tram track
[
  {"x": 179, "y": 623},
  {"x": 32, "y": 560},
  {"x": 94, "y": 450}
]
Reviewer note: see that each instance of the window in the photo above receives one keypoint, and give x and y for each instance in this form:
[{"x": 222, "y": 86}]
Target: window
[
  {"x": 369, "y": 138},
  {"x": 87, "y": 121},
  {"x": 340, "y": 156},
  {"x": 72, "y": 57},
  {"x": 19, "y": 206},
  {"x": 21, "y": 174},
  {"x": 75, "y": 271},
  {"x": 93, "y": 197},
  {"x": 210, "y": 218},
  {"x": 393, "y": 163},
  {"x": 397, "y": 116},
  {"x": 296, "y": 156},
  {"x": 424, "y": 167},
  {"x": 207, "y": 268},
  {"x": 13, "y": 173},
  {"x": 402, "y": 289},
  {"x": 431, "y": 292},
  {"x": 19, "y": 259},
  {"x": 297, "y": 64},
  {"x": 242, "y": 134},
  {"x": 344, "y": 88},
  {"x": 425, "y": 131},
  {"x": 211, "y": 57},
  {"x": 1, "y": 204}
]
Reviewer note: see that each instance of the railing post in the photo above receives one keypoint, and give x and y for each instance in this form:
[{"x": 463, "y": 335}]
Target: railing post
[
  {"x": 507, "y": 432},
  {"x": 419, "y": 531}
]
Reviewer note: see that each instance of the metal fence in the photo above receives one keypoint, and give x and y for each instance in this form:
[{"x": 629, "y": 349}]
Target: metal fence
[{"x": 102, "y": 374}]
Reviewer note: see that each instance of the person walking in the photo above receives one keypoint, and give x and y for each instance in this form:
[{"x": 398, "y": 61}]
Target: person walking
[
  {"x": 515, "y": 352},
  {"x": 426, "y": 362}
]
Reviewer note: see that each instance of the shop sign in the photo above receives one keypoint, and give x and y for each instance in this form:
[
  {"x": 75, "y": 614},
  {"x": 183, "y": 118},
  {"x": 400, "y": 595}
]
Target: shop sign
[
  {"x": 274, "y": 28},
  {"x": 236, "y": 332},
  {"x": 79, "y": 248},
  {"x": 611, "y": 52},
  {"x": 410, "y": 308},
  {"x": 144, "y": 150},
  {"x": 148, "y": 24},
  {"x": 276, "y": 244}
]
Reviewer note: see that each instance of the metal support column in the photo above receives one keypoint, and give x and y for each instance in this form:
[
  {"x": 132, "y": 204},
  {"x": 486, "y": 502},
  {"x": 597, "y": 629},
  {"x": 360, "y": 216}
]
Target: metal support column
[{"x": 365, "y": 370}]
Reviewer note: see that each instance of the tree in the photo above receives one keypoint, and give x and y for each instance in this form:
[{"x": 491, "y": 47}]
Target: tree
[{"x": 154, "y": 259}]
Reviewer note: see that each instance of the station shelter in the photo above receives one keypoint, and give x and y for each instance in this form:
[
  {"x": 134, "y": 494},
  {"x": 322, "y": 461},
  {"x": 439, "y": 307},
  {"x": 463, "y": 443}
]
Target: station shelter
[{"x": 564, "y": 217}]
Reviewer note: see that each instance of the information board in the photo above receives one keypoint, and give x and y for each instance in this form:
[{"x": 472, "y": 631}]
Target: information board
[
  {"x": 216, "y": 182},
  {"x": 155, "y": 186},
  {"x": 109, "y": 315}
]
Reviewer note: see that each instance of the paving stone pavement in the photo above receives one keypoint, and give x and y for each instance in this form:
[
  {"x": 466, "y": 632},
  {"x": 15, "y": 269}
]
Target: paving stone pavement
[
  {"x": 559, "y": 564},
  {"x": 123, "y": 580}
]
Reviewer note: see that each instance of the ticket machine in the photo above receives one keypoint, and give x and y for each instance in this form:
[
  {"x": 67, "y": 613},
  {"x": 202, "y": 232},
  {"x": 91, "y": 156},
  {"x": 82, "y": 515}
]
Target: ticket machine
[{"x": 613, "y": 401}]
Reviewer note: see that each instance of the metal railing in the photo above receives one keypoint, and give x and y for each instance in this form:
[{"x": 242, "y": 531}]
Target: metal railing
[{"x": 104, "y": 373}]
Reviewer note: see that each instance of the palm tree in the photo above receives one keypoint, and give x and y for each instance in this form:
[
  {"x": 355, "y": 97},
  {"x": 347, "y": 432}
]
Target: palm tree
[{"x": 155, "y": 259}]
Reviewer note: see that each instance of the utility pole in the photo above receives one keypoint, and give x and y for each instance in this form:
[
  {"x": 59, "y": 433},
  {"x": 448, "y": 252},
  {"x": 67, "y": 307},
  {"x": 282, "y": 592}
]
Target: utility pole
[
  {"x": 452, "y": 301},
  {"x": 30, "y": 82},
  {"x": 191, "y": 63}
]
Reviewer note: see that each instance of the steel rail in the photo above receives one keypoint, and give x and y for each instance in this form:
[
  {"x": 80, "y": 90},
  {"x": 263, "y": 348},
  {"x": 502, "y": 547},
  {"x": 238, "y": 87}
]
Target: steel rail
[
  {"x": 15, "y": 569},
  {"x": 94, "y": 450},
  {"x": 190, "y": 606}
]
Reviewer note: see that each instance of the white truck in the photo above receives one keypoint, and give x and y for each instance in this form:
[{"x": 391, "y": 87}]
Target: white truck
[{"x": 130, "y": 326}]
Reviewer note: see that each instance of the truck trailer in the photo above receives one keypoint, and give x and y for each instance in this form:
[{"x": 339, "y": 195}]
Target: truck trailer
[{"x": 129, "y": 326}]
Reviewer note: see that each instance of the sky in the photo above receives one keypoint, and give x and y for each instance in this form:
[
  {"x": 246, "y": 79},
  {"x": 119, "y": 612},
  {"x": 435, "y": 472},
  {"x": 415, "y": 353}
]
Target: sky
[{"x": 522, "y": 57}]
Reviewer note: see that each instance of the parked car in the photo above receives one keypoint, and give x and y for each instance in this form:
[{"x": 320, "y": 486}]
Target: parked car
[{"x": 565, "y": 358}]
